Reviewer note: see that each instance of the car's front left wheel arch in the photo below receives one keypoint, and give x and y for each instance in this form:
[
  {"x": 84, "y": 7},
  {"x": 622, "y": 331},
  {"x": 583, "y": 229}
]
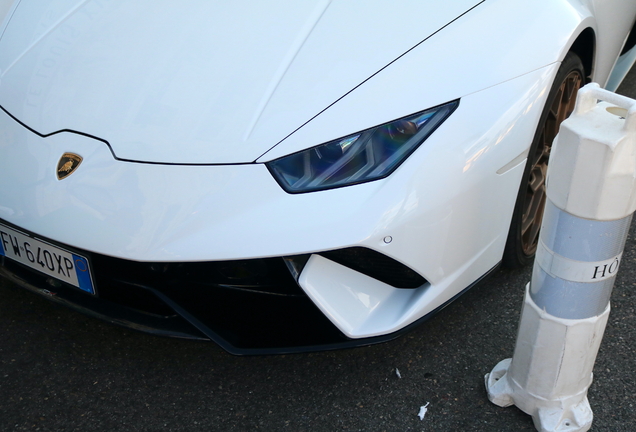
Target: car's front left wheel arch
[{"x": 523, "y": 235}]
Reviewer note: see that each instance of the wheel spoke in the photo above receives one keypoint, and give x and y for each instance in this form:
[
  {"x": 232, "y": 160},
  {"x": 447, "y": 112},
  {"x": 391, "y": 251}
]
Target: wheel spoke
[{"x": 534, "y": 202}]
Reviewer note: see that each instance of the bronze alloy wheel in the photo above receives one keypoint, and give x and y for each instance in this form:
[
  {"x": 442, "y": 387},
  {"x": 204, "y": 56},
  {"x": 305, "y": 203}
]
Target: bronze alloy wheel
[
  {"x": 528, "y": 214},
  {"x": 561, "y": 108}
]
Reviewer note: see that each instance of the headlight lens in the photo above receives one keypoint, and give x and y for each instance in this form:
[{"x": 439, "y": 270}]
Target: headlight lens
[{"x": 365, "y": 156}]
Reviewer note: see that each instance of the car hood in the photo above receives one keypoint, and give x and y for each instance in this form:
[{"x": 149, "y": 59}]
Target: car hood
[{"x": 198, "y": 82}]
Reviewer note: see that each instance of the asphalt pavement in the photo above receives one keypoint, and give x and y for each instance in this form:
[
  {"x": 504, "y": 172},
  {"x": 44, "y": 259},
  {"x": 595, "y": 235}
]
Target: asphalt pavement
[{"x": 62, "y": 371}]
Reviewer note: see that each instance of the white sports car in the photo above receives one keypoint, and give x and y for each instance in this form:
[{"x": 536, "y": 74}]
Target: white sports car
[{"x": 284, "y": 175}]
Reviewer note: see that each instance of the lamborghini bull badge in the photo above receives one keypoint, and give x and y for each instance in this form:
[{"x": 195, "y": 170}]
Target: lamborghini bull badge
[{"x": 67, "y": 164}]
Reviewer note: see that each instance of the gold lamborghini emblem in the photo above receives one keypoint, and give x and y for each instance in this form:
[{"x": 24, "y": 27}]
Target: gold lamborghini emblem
[{"x": 67, "y": 165}]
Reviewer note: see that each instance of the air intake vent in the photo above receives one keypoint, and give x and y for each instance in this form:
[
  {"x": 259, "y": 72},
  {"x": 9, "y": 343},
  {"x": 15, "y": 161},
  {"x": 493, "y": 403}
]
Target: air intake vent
[{"x": 377, "y": 266}]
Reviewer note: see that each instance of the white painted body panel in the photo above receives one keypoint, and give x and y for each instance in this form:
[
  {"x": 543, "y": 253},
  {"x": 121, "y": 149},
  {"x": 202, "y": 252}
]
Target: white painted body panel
[
  {"x": 357, "y": 312},
  {"x": 149, "y": 212},
  {"x": 614, "y": 19},
  {"x": 160, "y": 87},
  {"x": 544, "y": 32},
  {"x": 447, "y": 208}
]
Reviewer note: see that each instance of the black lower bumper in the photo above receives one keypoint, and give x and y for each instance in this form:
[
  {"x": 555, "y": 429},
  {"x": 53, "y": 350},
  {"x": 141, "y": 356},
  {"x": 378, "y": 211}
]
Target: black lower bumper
[
  {"x": 246, "y": 306},
  {"x": 241, "y": 320}
]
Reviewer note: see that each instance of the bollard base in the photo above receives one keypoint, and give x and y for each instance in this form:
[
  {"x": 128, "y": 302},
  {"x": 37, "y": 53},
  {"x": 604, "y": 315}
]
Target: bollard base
[
  {"x": 551, "y": 369},
  {"x": 555, "y": 416}
]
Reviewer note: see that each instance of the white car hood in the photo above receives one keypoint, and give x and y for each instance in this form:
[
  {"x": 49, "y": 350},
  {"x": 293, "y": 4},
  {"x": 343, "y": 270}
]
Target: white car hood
[{"x": 198, "y": 81}]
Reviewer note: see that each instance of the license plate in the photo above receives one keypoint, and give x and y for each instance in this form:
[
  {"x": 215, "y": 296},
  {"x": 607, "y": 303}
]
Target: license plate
[{"x": 46, "y": 258}]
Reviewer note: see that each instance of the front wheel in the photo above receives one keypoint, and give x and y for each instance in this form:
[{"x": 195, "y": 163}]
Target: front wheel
[{"x": 523, "y": 236}]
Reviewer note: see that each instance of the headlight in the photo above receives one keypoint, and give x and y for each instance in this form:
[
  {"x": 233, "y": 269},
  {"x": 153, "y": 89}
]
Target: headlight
[{"x": 365, "y": 156}]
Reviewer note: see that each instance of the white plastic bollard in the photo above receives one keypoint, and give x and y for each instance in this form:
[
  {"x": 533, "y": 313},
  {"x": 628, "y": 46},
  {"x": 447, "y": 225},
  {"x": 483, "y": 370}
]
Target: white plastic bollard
[{"x": 591, "y": 193}]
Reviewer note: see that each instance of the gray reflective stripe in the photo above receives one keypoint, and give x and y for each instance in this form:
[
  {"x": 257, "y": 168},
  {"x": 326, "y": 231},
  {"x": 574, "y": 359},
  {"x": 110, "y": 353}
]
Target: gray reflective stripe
[
  {"x": 576, "y": 271},
  {"x": 576, "y": 263},
  {"x": 582, "y": 239}
]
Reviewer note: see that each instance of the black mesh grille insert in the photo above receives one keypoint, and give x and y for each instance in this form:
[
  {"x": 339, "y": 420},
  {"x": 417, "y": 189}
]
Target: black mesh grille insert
[
  {"x": 377, "y": 266},
  {"x": 267, "y": 275}
]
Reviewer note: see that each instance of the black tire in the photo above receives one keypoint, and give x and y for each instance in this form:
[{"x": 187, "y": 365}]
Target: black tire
[{"x": 523, "y": 236}]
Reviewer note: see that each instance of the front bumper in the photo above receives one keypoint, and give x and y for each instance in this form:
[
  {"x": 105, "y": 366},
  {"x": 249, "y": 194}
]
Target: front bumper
[
  {"x": 274, "y": 316},
  {"x": 241, "y": 320},
  {"x": 250, "y": 306},
  {"x": 444, "y": 214}
]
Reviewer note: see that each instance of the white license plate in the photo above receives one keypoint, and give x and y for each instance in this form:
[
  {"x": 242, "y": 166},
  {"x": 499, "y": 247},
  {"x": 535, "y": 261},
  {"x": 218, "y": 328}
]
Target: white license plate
[{"x": 46, "y": 258}]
